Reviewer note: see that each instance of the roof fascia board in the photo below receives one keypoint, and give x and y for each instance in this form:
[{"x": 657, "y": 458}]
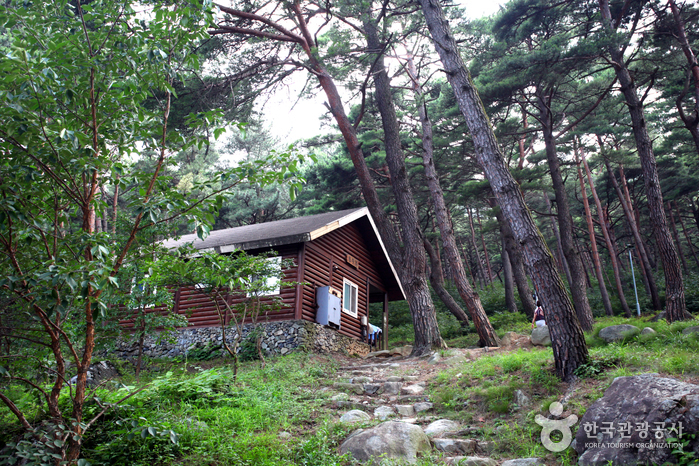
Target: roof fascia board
[{"x": 385, "y": 252}]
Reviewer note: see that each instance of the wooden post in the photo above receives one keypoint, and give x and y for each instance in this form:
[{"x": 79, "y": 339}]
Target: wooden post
[
  {"x": 300, "y": 275},
  {"x": 385, "y": 321}
]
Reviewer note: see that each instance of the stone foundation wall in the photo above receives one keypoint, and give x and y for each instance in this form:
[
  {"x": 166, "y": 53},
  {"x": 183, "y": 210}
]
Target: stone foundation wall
[{"x": 278, "y": 338}]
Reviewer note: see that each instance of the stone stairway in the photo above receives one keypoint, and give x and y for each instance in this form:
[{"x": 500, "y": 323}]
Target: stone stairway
[{"x": 393, "y": 391}]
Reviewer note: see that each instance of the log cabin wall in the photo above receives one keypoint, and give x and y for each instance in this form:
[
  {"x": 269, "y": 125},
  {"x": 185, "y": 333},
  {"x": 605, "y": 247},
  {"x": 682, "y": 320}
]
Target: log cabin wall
[
  {"x": 201, "y": 310},
  {"x": 325, "y": 263}
]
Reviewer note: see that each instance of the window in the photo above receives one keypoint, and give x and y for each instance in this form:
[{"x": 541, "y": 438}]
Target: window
[
  {"x": 349, "y": 298},
  {"x": 143, "y": 295},
  {"x": 272, "y": 285}
]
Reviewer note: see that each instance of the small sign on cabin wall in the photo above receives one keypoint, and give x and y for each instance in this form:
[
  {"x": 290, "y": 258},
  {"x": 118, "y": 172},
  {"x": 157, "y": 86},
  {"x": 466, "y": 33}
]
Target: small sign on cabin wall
[{"x": 353, "y": 261}]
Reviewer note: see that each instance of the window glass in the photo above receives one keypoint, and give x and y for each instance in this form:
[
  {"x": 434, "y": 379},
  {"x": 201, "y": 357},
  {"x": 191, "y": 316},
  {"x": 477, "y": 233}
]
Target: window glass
[{"x": 349, "y": 298}]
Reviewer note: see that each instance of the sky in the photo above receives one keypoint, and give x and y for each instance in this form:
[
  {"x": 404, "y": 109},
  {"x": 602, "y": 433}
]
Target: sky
[{"x": 291, "y": 119}]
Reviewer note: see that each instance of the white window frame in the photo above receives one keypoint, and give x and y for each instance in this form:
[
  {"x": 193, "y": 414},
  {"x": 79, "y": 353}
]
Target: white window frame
[{"x": 353, "y": 303}]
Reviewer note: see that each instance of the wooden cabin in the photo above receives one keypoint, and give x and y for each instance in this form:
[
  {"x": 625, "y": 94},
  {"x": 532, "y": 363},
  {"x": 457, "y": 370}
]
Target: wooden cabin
[{"x": 338, "y": 256}]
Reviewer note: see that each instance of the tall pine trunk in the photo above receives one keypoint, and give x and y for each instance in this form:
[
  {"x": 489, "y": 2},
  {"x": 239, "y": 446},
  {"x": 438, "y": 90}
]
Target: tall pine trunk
[
  {"x": 593, "y": 242},
  {"x": 413, "y": 252},
  {"x": 674, "y": 285},
  {"x": 567, "y": 337},
  {"x": 508, "y": 279},
  {"x": 607, "y": 238},
  {"x": 485, "y": 330},
  {"x": 684, "y": 232},
  {"x": 646, "y": 269},
  {"x": 577, "y": 282},
  {"x": 437, "y": 282}
]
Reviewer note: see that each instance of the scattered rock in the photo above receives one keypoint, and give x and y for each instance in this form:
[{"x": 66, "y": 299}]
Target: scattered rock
[
  {"x": 470, "y": 461},
  {"x": 384, "y": 412},
  {"x": 373, "y": 388},
  {"x": 434, "y": 359},
  {"x": 541, "y": 336},
  {"x": 410, "y": 378},
  {"x": 340, "y": 397},
  {"x": 392, "y": 388},
  {"x": 637, "y": 400},
  {"x": 618, "y": 332},
  {"x": 349, "y": 387},
  {"x": 521, "y": 399},
  {"x": 486, "y": 447},
  {"x": 412, "y": 390},
  {"x": 648, "y": 331},
  {"x": 284, "y": 435},
  {"x": 353, "y": 416},
  {"x": 524, "y": 462},
  {"x": 689, "y": 330},
  {"x": 394, "y": 440},
  {"x": 360, "y": 380},
  {"x": 394, "y": 378},
  {"x": 405, "y": 410},
  {"x": 99, "y": 372},
  {"x": 402, "y": 350},
  {"x": 455, "y": 446},
  {"x": 424, "y": 406},
  {"x": 441, "y": 426}
]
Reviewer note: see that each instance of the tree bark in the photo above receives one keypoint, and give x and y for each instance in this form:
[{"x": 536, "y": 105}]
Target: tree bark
[
  {"x": 684, "y": 232},
  {"x": 413, "y": 253},
  {"x": 646, "y": 269},
  {"x": 607, "y": 238},
  {"x": 515, "y": 255},
  {"x": 562, "y": 263},
  {"x": 691, "y": 123},
  {"x": 677, "y": 238},
  {"x": 488, "y": 268},
  {"x": 481, "y": 269},
  {"x": 593, "y": 242},
  {"x": 485, "y": 330},
  {"x": 565, "y": 219},
  {"x": 568, "y": 340},
  {"x": 674, "y": 286},
  {"x": 508, "y": 279},
  {"x": 437, "y": 281}
]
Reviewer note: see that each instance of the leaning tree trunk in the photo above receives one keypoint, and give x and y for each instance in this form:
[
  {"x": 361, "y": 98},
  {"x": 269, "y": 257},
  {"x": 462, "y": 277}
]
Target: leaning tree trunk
[
  {"x": 515, "y": 255},
  {"x": 677, "y": 238},
  {"x": 607, "y": 238},
  {"x": 485, "y": 330},
  {"x": 437, "y": 282},
  {"x": 509, "y": 280},
  {"x": 593, "y": 243},
  {"x": 567, "y": 337},
  {"x": 577, "y": 282},
  {"x": 646, "y": 270},
  {"x": 684, "y": 232},
  {"x": 413, "y": 269},
  {"x": 674, "y": 286},
  {"x": 562, "y": 263}
]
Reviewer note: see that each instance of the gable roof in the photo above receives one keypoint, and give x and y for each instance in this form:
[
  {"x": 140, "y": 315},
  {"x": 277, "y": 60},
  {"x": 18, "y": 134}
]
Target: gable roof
[{"x": 292, "y": 231}]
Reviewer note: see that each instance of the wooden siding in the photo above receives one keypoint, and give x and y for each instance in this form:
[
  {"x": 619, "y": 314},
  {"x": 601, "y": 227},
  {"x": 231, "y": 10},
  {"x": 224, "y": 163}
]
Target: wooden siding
[
  {"x": 325, "y": 264},
  {"x": 201, "y": 311}
]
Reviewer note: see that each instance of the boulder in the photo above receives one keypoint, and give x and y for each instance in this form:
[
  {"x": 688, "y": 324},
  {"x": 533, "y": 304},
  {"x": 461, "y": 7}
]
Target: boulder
[
  {"x": 353, "y": 416},
  {"x": 340, "y": 397},
  {"x": 412, "y": 390},
  {"x": 634, "y": 418},
  {"x": 470, "y": 461},
  {"x": 394, "y": 378},
  {"x": 524, "y": 462},
  {"x": 441, "y": 426},
  {"x": 394, "y": 440},
  {"x": 402, "y": 350},
  {"x": 618, "y": 332},
  {"x": 689, "y": 330},
  {"x": 360, "y": 379},
  {"x": 455, "y": 446},
  {"x": 384, "y": 412},
  {"x": 541, "y": 336},
  {"x": 648, "y": 331},
  {"x": 99, "y": 372},
  {"x": 373, "y": 388}
]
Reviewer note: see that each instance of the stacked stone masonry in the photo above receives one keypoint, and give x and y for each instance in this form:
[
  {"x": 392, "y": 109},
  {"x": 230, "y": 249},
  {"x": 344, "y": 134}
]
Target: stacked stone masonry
[{"x": 278, "y": 338}]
